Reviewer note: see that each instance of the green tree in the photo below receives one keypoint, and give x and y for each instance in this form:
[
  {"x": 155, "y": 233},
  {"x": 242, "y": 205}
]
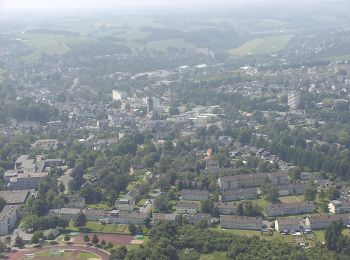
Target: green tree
[
  {"x": 19, "y": 242},
  {"x": 132, "y": 229},
  {"x": 80, "y": 220},
  {"x": 95, "y": 239},
  {"x": 86, "y": 238},
  {"x": 66, "y": 237}
]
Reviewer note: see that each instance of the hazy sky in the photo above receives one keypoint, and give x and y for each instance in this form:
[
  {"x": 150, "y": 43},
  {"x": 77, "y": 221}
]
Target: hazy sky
[{"x": 52, "y": 4}]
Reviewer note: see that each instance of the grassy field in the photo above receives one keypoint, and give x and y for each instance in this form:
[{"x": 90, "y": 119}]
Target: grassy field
[
  {"x": 95, "y": 226},
  {"x": 261, "y": 203},
  {"x": 215, "y": 256},
  {"x": 292, "y": 199},
  {"x": 265, "y": 45},
  {"x": 100, "y": 206},
  {"x": 165, "y": 44},
  {"x": 251, "y": 233},
  {"x": 50, "y": 44}
]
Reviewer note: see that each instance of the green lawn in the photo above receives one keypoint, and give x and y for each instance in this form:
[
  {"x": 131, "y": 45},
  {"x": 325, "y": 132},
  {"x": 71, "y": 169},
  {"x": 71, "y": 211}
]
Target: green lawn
[
  {"x": 95, "y": 226},
  {"x": 260, "y": 202},
  {"x": 100, "y": 206},
  {"x": 251, "y": 233},
  {"x": 51, "y": 44},
  {"x": 215, "y": 256},
  {"x": 87, "y": 255},
  {"x": 292, "y": 199},
  {"x": 265, "y": 45}
]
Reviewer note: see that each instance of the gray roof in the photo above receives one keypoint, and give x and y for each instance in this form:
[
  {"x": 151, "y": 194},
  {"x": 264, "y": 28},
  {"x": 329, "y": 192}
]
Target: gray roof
[{"x": 14, "y": 196}]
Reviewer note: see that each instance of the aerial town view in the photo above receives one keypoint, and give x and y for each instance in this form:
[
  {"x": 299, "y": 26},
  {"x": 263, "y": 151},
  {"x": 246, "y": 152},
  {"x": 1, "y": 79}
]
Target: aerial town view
[{"x": 180, "y": 130}]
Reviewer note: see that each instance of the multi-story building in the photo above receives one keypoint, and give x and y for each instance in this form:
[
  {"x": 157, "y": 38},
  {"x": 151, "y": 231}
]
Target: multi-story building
[
  {"x": 241, "y": 222},
  {"x": 293, "y": 101},
  {"x": 184, "y": 207},
  {"x": 8, "y": 219},
  {"x": 227, "y": 208},
  {"x": 282, "y": 209},
  {"x": 251, "y": 180},
  {"x": 323, "y": 221},
  {"x": 126, "y": 204},
  {"x": 157, "y": 217},
  {"x": 336, "y": 206},
  {"x": 239, "y": 194},
  {"x": 287, "y": 224},
  {"x": 196, "y": 218},
  {"x": 197, "y": 195},
  {"x": 125, "y": 217}
]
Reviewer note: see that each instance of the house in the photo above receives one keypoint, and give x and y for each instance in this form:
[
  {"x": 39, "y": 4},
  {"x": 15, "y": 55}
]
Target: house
[
  {"x": 227, "y": 208},
  {"x": 94, "y": 214},
  {"x": 46, "y": 144},
  {"x": 197, "y": 195},
  {"x": 186, "y": 207},
  {"x": 323, "y": 221},
  {"x": 75, "y": 201},
  {"x": 157, "y": 217},
  {"x": 241, "y": 222},
  {"x": 239, "y": 194},
  {"x": 282, "y": 209},
  {"x": 15, "y": 197},
  {"x": 8, "y": 219},
  {"x": 68, "y": 213},
  {"x": 196, "y": 218},
  {"x": 304, "y": 176},
  {"x": 125, "y": 217},
  {"x": 336, "y": 206},
  {"x": 344, "y": 193},
  {"x": 126, "y": 204},
  {"x": 287, "y": 224}
]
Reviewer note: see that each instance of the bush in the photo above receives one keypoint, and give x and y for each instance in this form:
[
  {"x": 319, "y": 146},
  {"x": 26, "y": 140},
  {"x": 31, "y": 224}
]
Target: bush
[{"x": 66, "y": 238}]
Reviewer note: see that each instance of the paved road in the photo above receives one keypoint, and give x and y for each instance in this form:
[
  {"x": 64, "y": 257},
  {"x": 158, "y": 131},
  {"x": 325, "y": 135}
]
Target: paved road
[
  {"x": 147, "y": 206},
  {"x": 65, "y": 178},
  {"x": 102, "y": 253}
]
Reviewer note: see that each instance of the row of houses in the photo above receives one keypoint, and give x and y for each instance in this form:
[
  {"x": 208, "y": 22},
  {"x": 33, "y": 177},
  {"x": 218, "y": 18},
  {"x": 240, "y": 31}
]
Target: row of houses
[
  {"x": 251, "y": 180},
  {"x": 283, "y": 209}
]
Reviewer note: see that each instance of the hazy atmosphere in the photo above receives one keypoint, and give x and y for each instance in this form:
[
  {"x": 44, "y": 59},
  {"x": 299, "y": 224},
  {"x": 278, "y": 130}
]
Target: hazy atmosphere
[{"x": 175, "y": 130}]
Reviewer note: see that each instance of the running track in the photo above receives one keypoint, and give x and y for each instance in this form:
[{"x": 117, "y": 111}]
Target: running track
[{"x": 103, "y": 254}]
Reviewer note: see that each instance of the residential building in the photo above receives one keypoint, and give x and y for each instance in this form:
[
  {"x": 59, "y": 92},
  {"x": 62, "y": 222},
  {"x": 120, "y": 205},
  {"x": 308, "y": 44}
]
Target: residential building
[
  {"x": 227, "y": 208},
  {"x": 75, "y": 201},
  {"x": 293, "y": 101},
  {"x": 46, "y": 144},
  {"x": 336, "y": 206},
  {"x": 239, "y": 194},
  {"x": 157, "y": 217},
  {"x": 8, "y": 219},
  {"x": 26, "y": 180},
  {"x": 323, "y": 221},
  {"x": 125, "y": 217},
  {"x": 241, "y": 222},
  {"x": 94, "y": 214},
  {"x": 14, "y": 197},
  {"x": 183, "y": 207},
  {"x": 287, "y": 224},
  {"x": 282, "y": 209},
  {"x": 197, "y": 195},
  {"x": 251, "y": 180},
  {"x": 196, "y": 218},
  {"x": 126, "y": 204},
  {"x": 68, "y": 213}
]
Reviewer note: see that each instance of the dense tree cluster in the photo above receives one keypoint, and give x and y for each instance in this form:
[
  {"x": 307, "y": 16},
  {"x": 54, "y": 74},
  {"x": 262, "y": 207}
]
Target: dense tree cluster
[{"x": 171, "y": 240}]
